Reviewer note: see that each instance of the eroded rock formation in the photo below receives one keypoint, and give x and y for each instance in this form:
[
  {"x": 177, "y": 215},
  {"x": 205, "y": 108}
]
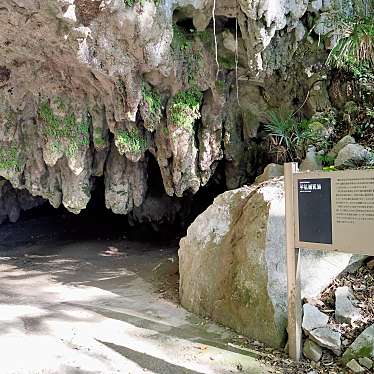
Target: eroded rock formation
[{"x": 96, "y": 87}]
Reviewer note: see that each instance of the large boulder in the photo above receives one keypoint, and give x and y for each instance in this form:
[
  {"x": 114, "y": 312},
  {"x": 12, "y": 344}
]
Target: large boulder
[{"x": 233, "y": 263}]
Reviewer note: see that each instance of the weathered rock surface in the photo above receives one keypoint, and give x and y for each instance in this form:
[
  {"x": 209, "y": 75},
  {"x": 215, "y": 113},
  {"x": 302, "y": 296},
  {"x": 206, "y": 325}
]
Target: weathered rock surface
[
  {"x": 232, "y": 263},
  {"x": 363, "y": 346},
  {"x": 345, "y": 309}
]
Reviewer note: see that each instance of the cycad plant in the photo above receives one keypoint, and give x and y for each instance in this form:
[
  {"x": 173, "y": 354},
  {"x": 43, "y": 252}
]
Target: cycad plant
[{"x": 289, "y": 138}]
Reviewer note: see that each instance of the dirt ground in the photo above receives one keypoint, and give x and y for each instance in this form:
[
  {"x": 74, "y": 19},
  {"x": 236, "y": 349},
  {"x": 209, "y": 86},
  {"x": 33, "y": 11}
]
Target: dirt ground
[{"x": 102, "y": 306}]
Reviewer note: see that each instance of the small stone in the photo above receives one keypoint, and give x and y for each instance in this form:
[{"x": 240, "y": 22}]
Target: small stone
[
  {"x": 355, "y": 366},
  {"x": 345, "y": 310},
  {"x": 312, "y": 350},
  {"x": 313, "y": 318},
  {"x": 327, "y": 338},
  {"x": 366, "y": 362}
]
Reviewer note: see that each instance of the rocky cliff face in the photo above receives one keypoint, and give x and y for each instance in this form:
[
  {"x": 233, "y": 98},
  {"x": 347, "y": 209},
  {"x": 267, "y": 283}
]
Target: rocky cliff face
[{"x": 97, "y": 88}]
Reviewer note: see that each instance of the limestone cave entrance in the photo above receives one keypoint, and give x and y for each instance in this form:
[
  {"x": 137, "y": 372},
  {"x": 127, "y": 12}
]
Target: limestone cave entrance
[{"x": 98, "y": 293}]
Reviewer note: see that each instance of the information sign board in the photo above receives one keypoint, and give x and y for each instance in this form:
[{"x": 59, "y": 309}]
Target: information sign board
[
  {"x": 331, "y": 211},
  {"x": 334, "y": 211}
]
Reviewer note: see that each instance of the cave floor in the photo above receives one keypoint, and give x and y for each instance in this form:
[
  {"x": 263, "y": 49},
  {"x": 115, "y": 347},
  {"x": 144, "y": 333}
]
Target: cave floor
[{"x": 105, "y": 307}]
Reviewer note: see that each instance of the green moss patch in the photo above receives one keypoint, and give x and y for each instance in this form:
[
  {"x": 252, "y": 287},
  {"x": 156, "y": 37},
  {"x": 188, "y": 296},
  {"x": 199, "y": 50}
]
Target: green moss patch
[
  {"x": 66, "y": 132},
  {"x": 185, "y": 108},
  {"x": 130, "y": 141},
  {"x": 10, "y": 159}
]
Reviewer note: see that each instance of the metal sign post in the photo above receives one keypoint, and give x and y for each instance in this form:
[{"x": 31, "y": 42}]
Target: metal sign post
[{"x": 329, "y": 211}]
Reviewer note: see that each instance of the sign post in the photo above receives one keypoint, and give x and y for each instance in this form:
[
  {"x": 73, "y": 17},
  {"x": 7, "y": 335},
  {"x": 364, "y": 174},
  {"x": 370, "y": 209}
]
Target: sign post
[
  {"x": 293, "y": 271},
  {"x": 329, "y": 211}
]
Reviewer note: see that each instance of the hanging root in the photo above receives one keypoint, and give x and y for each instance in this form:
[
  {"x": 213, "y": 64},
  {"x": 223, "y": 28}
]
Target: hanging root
[
  {"x": 236, "y": 59},
  {"x": 215, "y": 37}
]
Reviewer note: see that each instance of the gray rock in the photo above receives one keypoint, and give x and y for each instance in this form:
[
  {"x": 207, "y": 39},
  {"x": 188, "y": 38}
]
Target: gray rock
[
  {"x": 355, "y": 366},
  {"x": 345, "y": 310},
  {"x": 341, "y": 144},
  {"x": 312, "y": 350},
  {"x": 366, "y": 362},
  {"x": 313, "y": 318},
  {"x": 363, "y": 346},
  {"x": 327, "y": 338},
  {"x": 233, "y": 266},
  {"x": 311, "y": 161},
  {"x": 270, "y": 171},
  {"x": 352, "y": 155}
]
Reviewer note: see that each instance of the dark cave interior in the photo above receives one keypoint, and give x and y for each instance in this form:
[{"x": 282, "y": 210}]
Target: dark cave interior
[{"x": 96, "y": 222}]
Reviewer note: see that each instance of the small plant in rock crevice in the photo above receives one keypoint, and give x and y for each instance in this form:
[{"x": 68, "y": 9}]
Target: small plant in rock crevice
[
  {"x": 185, "y": 108},
  {"x": 130, "y": 141},
  {"x": 67, "y": 133}
]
